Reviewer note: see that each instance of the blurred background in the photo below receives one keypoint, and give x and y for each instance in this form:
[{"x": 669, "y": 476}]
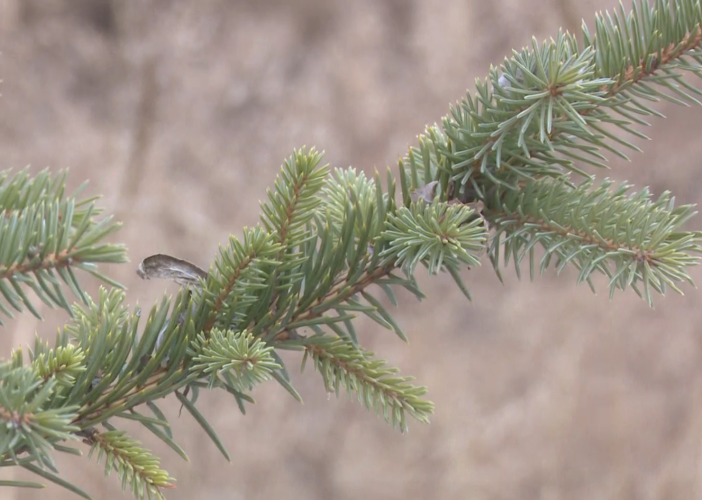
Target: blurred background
[{"x": 181, "y": 112}]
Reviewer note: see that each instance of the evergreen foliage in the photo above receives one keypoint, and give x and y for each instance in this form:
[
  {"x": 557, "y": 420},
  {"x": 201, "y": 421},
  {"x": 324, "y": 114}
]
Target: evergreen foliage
[{"x": 503, "y": 175}]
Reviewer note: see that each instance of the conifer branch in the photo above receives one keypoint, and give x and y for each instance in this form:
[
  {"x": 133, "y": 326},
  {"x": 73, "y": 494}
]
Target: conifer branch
[
  {"x": 235, "y": 277},
  {"x": 45, "y": 237},
  {"x": 294, "y": 200},
  {"x": 546, "y": 108},
  {"x": 63, "y": 364},
  {"x": 136, "y": 467},
  {"x": 631, "y": 239},
  {"x": 378, "y": 387},
  {"x": 502, "y": 175},
  {"x": 237, "y": 360}
]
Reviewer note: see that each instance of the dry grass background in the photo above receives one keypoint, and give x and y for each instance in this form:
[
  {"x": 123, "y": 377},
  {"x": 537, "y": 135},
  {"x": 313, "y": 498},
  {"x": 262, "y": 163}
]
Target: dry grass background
[{"x": 181, "y": 113}]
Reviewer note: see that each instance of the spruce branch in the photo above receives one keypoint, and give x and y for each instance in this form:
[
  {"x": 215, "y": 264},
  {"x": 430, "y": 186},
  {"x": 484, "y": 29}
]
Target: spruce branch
[
  {"x": 28, "y": 422},
  {"x": 439, "y": 234},
  {"x": 505, "y": 173},
  {"x": 236, "y": 277},
  {"x": 549, "y": 106},
  {"x": 293, "y": 202},
  {"x": 63, "y": 364},
  {"x": 237, "y": 360},
  {"x": 631, "y": 239},
  {"x": 136, "y": 467},
  {"x": 46, "y": 235},
  {"x": 378, "y": 387}
]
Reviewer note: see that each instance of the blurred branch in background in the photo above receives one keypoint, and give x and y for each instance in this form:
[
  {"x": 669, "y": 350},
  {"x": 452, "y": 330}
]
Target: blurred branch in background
[{"x": 137, "y": 166}]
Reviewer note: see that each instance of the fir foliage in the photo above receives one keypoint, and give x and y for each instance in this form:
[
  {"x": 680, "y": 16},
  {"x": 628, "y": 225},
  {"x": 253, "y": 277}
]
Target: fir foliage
[
  {"x": 505, "y": 175},
  {"x": 47, "y": 235}
]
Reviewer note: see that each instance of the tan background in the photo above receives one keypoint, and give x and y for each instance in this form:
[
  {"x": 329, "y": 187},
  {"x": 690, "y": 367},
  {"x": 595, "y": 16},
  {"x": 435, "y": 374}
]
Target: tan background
[{"x": 181, "y": 113}]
